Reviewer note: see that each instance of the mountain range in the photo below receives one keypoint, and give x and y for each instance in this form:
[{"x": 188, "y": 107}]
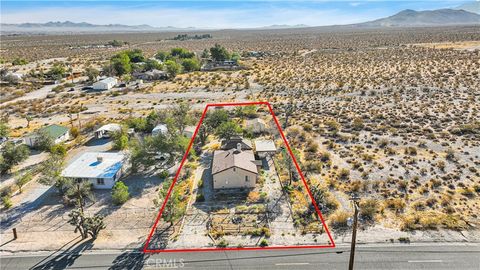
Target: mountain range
[
  {"x": 439, "y": 17},
  {"x": 466, "y": 14}
]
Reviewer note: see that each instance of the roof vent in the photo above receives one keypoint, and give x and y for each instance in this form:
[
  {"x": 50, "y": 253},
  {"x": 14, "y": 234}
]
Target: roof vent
[{"x": 239, "y": 148}]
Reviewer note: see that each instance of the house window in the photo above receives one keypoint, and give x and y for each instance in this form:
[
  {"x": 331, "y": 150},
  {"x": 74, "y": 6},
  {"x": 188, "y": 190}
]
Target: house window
[
  {"x": 100, "y": 181},
  {"x": 246, "y": 178}
]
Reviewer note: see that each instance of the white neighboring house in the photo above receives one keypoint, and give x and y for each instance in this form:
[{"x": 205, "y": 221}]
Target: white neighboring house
[
  {"x": 100, "y": 169},
  {"x": 160, "y": 128},
  {"x": 107, "y": 130},
  {"x": 57, "y": 133},
  {"x": 265, "y": 148},
  {"x": 257, "y": 125},
  {"x": 105, "y": 84}
]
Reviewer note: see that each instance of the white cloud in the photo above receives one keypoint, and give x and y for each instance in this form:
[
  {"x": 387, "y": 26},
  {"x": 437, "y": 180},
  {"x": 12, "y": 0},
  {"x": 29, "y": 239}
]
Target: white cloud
[{"x": 186, "y": 17}]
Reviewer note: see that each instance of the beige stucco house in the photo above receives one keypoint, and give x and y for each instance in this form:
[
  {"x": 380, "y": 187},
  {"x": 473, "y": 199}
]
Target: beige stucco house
[{"x": 234, "y": 168}]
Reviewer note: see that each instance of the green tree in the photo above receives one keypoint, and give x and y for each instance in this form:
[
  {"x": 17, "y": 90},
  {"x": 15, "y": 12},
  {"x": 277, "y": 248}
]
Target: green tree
[
  {"x": 172, "y": 68},
  {"x": 135, "y": 55},
  {"x": 205, "y": 54},
  {"x": 120, "y": 193},
  {"x": 51, "y": 173},
  {"x": 23, "y": 179},
  {"x": 151, "y": 64},
  {"x": 172, "y": 210},
  {"x": 4, "y": 129},
  {"x": 120, "y": 140},
  {"x": 92, "y": 74},
  {"x": 78, "y": 192},
  {"x": 181, "y": 53},
  {"x": 180, "y": 115},
  {"x": 86, "y": 225},
  {"x": 121, "y": 64},
  {"x": 190, "y": 64},
  {"x": 29, "y": 119},
  {"x": 162, "y": 56},
  {"x": 19, "y": 61},
  {"x": 43, "y": 141},
  {"x": 12, "y": 155},
  {"x": 219, "y": 53},
  {"x": 227, "y": 130},
  {"x": 57, "y": 71}
]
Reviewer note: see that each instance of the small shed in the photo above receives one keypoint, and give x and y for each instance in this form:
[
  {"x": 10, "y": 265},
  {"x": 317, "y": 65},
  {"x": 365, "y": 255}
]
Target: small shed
[
  {"x": 265, "y": 148},
  {"x": 106, "y": 131},
  {"x": 57, "y": 133}
]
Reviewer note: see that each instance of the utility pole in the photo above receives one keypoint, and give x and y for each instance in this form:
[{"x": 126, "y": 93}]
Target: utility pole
[{"x": 355, "y": 200}]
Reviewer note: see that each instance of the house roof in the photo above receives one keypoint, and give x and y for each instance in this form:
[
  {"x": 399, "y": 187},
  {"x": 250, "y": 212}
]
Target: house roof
[
  {"x": 233, "y": 142},
  {"x": 88, "y": 165},
  {"x": 223, "y": 160},
  {"x": 54, "y": 131},
  {"x": 108, "y": 80},
  {"x": 110, "y": 127},
  {"x": 265, "y": 146}
]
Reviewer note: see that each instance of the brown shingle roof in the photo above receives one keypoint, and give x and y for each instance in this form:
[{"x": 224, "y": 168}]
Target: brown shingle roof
[{"x": 223, "y": 160}]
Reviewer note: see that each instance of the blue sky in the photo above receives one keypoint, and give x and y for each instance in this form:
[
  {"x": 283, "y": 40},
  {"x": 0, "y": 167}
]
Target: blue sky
[{"x": 211, "y": 14}]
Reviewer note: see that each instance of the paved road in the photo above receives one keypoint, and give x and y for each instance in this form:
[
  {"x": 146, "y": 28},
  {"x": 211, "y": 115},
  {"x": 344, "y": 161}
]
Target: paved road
[{"x": 457, "y": 256}]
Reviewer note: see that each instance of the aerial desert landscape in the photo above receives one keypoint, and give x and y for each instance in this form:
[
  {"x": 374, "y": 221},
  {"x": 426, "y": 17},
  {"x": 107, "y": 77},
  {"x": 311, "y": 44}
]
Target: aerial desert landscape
[{"x": 95, "y": 129}]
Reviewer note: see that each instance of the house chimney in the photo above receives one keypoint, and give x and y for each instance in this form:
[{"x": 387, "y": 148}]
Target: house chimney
[
  {"x": 99, "y": 159},
  {"x": 239, "y": 147}
]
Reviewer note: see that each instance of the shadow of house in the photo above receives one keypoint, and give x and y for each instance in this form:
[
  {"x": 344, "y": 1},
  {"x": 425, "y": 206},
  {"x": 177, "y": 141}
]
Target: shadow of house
[{"x": 66, "y": 258}]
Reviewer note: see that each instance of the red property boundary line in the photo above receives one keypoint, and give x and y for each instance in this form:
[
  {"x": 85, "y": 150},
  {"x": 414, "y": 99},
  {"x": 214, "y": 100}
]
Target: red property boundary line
[{"x": 146, "y": 250}]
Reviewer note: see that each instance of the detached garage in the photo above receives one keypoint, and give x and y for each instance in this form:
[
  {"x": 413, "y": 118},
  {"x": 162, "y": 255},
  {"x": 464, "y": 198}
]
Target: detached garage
[{"x": 105, "y": 84}]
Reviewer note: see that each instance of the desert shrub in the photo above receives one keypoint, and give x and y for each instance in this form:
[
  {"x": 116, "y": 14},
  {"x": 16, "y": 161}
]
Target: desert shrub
[
  {"x": 412, "y": 151},
  {"x": 383, "y": 143},
  {"x": 450, "y": 154},
  {"x": 396, "y": 204},
  {"x": 7, "y": 202},
  {"x": 74, "y": 131},
  {"x": 368, "y": 208},
  {"x": 325, "y": 156},
  {"x": 120, "y": 193},
  {"x": 344, "y": 173},
  {"x": 222, "y": 243},
  {"x": 338, "y": 220},
  {"x": 164, "y": 174},
  {"x": 467, "y": 192},
  {"x": 264, "y": 243}
]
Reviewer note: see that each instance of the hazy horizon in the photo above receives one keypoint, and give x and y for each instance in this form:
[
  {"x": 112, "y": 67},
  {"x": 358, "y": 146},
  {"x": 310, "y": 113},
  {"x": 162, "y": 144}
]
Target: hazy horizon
[{"x": 211, "y": 14}]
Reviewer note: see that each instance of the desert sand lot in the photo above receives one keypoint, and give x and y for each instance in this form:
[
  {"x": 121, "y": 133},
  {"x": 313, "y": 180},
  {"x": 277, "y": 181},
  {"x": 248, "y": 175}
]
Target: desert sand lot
[{"x": 390, "y": 115}]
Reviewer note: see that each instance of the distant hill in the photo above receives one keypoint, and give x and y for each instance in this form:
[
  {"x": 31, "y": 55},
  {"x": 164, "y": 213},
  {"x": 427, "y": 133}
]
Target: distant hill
[
  {"x": 473, "y": 7},
  {"x": 81, "y": 27},
  {"x": 439, "y": 17}
]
